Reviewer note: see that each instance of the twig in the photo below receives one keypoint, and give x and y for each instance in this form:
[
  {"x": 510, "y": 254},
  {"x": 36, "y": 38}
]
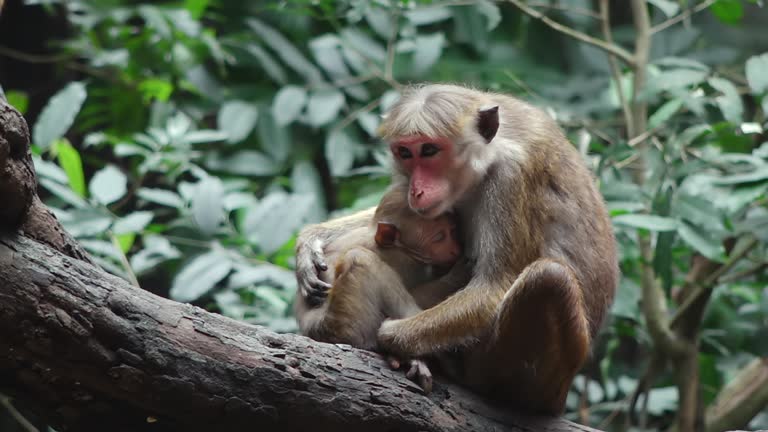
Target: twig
[
  {"x": 342, "y": 82},
  {"x": 742, "y": 274},
  {"x": 543, "y": 5},
  {"x": 615, "y": 71},
  {"x": 391, "y": 46},
  {"x": 124, "y": 261},
  {"x": 683, "y": 15},
  {"x": 712, "y": 280},
  {"x": 353, "y": 115},
  {"x": 20, "y": 419},
  {"x": 614, "y": 49}
]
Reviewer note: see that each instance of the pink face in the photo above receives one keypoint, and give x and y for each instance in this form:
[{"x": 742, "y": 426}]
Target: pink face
[{"x": 428, "y": 163}]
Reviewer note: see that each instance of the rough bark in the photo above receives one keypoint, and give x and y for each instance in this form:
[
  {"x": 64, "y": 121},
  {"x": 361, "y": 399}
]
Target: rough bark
[{"x": 88, "y": 351}]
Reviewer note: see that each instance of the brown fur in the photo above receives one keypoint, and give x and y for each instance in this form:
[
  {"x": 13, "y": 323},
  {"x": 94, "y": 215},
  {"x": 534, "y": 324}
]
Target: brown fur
[
  {"x": 536, "y": 229},
  {"x": 371, "y": 283}
]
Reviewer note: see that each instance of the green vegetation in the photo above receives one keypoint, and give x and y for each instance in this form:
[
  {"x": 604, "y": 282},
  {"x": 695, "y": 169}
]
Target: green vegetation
[{"x": 195, "y": 138}]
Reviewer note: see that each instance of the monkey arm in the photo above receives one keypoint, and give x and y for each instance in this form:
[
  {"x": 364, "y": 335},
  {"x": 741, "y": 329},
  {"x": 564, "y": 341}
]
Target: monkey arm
[
  {"x": 433, "y": 292},
  {"x": 310, "y": 258},
  {"x": 459, "y": 320}
]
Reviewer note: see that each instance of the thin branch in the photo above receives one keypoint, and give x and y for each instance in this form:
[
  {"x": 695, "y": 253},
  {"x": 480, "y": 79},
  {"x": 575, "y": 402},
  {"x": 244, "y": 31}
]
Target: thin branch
[
  {"x": 712, "y": 280},
  {"x": 614, "y": 49},
  {"x": 654, "y": 304},
  {"x": 342, "y": 82},
  {"x": 124, "y": 261},
  {"x": 733, "y": 277},
  {"x": 683, "y": 16},
  {"x": 543, "y": 5},
  {"x": 615, "y": 70},
  {"x": 20, "y": 419},
  {"x": 391, "y": 46},
  {"x": 353, "y": 115}
]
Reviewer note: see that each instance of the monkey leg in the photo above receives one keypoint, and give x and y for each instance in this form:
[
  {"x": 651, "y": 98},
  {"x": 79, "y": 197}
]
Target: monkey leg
[{"x": 539, "y": 342}]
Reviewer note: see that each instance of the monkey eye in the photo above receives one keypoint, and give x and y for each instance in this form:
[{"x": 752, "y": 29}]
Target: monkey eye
[
  {"x": 439, "y": 237},
  {"x": 404, "y": 152},
  {"x": 429, "y": 149}
]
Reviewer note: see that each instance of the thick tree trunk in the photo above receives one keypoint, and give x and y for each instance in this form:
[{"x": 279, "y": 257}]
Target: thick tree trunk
[{"x": 88, "y": 351}]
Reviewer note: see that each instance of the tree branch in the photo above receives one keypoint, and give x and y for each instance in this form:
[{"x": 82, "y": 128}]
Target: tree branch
[
  {"x": 683, "y": 16},
  {"x": 741, "y": 399},
  {"x": 708, "y": 284},
  {"x": 614, "y": 49},
  {"x": 90, "y": 352}
]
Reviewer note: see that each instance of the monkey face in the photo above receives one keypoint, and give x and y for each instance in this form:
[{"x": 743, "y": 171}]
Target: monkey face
[
  {"x": 441, "y": 242},
  {"x": 428, "y": 163}
]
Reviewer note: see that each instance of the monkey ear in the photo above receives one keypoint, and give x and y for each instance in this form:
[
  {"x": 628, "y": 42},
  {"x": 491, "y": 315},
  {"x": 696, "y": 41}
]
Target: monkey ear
[
  {"x": 488, "y": 122},
  {"x": 386, "y": 234}
]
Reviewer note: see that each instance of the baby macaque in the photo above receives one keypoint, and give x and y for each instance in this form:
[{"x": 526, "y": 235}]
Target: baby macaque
[{"x": 375, "y": 272}]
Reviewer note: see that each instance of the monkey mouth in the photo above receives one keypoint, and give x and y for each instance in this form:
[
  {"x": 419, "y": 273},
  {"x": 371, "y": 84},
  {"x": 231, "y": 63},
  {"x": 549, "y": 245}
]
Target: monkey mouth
[{"x": 431, "y": 212}]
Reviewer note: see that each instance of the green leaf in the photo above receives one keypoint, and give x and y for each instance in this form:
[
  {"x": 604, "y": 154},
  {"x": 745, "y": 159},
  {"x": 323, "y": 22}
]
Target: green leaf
[
  {"x": 364, "y": 45},
  {"x": 678, "y": 78},
  {"x": 728, "y": 11},
  {"x": 196, "y": 7},
  {"x": 288, "y": 104},
  {"x": 18, "y": 100},
  {"x": 627, "y": 299},
  {"x": 268, "y": 63},
  {"x": 246, "y": 162},
  {"x": 204, "y": 136},
  {"x": 108, "y": 185},
  {"x": 161, "y": 196},
  {"x": 237, "y": 118},
  {"x": 49, "y": 170},
  {"x": 702, "y": 242},
  {"x": 64, "y": 193},
  {"x": 669, "y": 7},
  {"x": 275, "y": 219},
  {"x": 58, "y": 114},
  {"x": 88, "y": 222},
  {"x": 661, "y": 400},
  {"x": 730, "y": 100},
  {"x": 427, "y": 16},
  {"x": 757, "y": 73},
  {"x": 155, "y": 89},
  {"x": 306, "y": 180},
  {"x": 200, "y": 276},
  {"x": 325, "y": 50},
  {"x": 69, "y": 160},
  {"x": 157, "y": 249},
  {"x": 208, "y": 204},
  {"x": 664, "y": 113},
  {"x": 275, "y": 139},
  {"x": 681, "y": 63},
  {"x": 125, "y": 241},
  {"x": 286, "y": 51},
  {"x": 756, "y": 175},
  {"x": 649, "y": 222},
  {"x": 427, "y": 52},
  {"x": 324, "y": 106},
  {"x": 340, "y": 152},
  {"x": 133, "y": 223},
  {"x": 380, "y": 21},
  {"x": 491, "y": 12},
  {"x": 698, "y": 211}
]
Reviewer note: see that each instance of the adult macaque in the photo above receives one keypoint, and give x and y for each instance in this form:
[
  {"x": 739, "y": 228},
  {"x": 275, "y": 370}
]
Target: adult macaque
[
  {"x": 374, "y": 269},
  {"x": 534, "y": 224}
]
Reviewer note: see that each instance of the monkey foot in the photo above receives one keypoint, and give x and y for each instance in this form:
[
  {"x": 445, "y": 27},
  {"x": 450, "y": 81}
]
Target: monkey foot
[{"x": 418, "y": 372}]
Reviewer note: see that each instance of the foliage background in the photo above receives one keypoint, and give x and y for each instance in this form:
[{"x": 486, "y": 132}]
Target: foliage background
[{"x": 185, "y": 142}]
